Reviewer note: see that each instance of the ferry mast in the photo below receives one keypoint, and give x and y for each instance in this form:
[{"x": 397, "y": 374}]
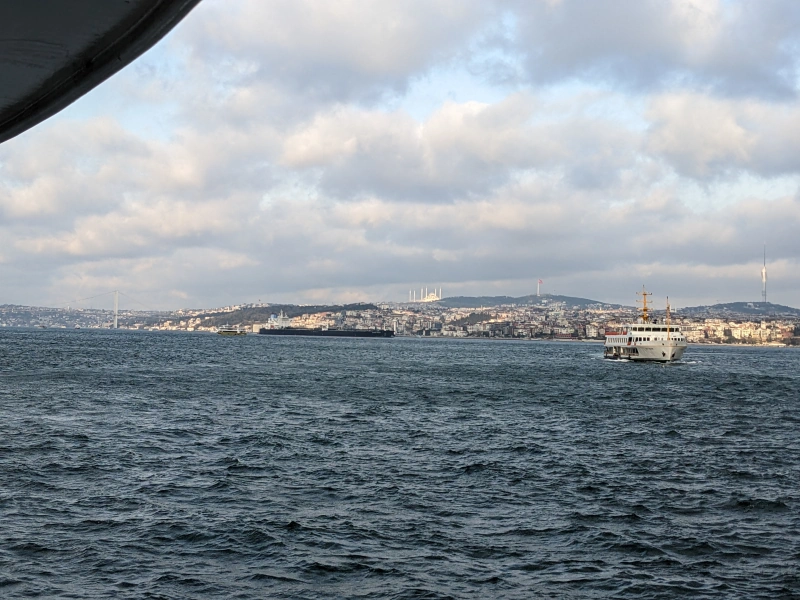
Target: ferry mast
[
  {"x": 669, "y": 339},
  {"x": 644, "y": 294}
]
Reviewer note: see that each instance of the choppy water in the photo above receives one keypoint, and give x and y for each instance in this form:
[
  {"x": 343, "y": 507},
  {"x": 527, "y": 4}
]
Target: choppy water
[{"x": 185, "y": 465}]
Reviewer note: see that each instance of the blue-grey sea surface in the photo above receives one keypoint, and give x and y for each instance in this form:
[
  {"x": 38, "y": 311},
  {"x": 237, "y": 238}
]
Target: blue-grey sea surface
[{"x": 167, "y": 465}]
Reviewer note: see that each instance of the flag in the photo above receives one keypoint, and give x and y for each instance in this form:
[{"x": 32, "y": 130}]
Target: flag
[{"x": 540, "y": 281}]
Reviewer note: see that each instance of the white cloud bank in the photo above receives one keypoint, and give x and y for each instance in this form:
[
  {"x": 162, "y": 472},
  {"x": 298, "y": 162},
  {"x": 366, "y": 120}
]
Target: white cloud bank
[{"x": 274, "y": 151}]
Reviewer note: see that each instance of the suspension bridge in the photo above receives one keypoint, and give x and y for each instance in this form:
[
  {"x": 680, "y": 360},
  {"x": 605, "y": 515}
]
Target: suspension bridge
[{"x": 115, "y": 294}]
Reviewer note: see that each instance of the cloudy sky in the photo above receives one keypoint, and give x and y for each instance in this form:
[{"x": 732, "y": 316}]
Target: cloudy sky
[{"x": 343, "y": 150}]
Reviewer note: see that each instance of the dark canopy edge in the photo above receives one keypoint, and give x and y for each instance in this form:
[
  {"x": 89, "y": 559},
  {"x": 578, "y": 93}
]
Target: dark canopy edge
[{"x": 117, "y": 48}]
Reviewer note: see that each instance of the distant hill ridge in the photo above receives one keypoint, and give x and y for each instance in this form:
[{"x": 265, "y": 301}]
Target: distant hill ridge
[
  {"x": 742, "y": 308},
  {"x": 745, "y": 308},
  {"x": 533, "y": 299}
]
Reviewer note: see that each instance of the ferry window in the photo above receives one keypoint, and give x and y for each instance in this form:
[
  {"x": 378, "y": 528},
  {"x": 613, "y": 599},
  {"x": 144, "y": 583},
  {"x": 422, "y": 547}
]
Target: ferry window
[{"x": 648, "y": 328}]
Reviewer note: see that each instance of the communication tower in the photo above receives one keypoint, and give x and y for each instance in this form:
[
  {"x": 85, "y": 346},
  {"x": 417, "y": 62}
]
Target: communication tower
[{"x": 764, "y": 277}]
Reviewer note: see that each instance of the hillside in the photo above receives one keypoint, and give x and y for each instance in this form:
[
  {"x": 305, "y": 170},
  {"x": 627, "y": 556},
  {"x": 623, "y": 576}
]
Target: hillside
[
  {"x": 754, "y": 309},
  {"x": 261, "y": 314},
  {"x": 532, "y": 299}
]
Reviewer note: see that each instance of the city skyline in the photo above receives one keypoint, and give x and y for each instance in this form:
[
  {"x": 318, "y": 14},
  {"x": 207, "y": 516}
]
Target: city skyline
[
  {"x": 337, "y": 152},
  {"x": 109, "y": 300}
]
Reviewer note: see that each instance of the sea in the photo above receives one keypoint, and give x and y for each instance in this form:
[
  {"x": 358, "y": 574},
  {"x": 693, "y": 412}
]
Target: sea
[{"x": 186, "y": 465}]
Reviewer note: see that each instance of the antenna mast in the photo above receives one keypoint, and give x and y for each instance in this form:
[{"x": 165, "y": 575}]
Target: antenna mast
[
  {"x": 644, "y": 294},
  {"x": 764, "y": 277}
]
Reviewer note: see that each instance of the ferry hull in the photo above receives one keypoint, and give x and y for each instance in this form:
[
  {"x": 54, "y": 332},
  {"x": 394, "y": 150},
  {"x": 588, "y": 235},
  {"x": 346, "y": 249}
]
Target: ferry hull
[
  {"x": 665, "y": 353},
  {"x": 646, "y": 353}
]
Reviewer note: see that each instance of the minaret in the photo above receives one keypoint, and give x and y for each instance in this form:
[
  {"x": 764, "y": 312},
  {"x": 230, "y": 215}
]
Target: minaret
[{"x": 764, "y": 277}]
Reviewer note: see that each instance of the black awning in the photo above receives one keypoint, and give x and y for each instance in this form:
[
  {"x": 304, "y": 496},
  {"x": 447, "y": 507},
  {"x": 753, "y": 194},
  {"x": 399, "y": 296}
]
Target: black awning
[{"x": 54, "y": 51}]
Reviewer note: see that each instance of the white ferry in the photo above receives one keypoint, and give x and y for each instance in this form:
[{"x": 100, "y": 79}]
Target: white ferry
[
  {"x": 646, "y": 340},
  {"x": 228, "y": 330}
]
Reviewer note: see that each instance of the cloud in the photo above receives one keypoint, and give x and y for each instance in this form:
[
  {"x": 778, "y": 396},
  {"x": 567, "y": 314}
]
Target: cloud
[
  {"x": 334, "y": 51},
  {"x": 739, "y": 48},
  {"x": 703, "y": 137},
  {"x": 284, "y": 151},
  {"x": 461, "y": 151}
]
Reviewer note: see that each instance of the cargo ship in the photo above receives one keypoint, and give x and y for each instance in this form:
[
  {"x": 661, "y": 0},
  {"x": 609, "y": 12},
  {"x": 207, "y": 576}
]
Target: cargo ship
[{"x": 359, "y": 333}]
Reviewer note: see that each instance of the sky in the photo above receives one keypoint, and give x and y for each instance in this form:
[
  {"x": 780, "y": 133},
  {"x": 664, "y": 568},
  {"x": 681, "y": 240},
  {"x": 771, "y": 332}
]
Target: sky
[{"x": 313, "y": 151}]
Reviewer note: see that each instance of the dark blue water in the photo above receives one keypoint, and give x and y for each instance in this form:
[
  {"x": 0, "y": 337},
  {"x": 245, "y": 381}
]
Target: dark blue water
[{"x": 186, "y": 465}]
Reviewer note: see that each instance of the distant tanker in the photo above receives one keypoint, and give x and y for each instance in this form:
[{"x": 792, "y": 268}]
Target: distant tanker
[{"x": 352, "y": 333}]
